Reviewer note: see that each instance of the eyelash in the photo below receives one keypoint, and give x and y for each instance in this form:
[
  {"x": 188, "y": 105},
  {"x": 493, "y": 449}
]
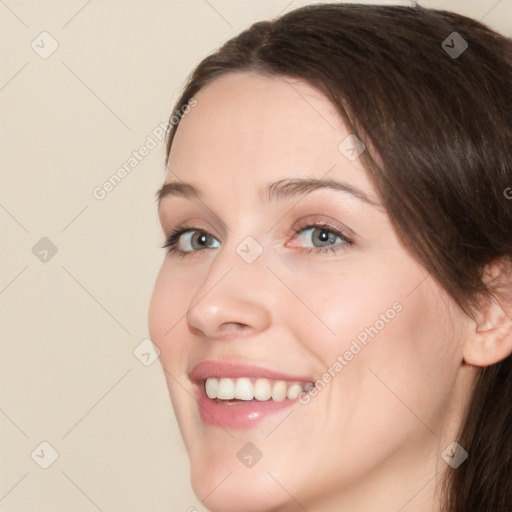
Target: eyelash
[{"x": 171, "y": 241}]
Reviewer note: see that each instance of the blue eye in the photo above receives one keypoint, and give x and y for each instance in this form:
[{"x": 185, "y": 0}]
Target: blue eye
[
  {"x": 320, "y": 236},
  {"x": 184, "y": 240},
  {"x": 314, "y": 238}
]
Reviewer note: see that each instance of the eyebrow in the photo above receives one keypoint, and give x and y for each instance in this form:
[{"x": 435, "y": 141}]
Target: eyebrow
[{"x": 278, "y": 190}]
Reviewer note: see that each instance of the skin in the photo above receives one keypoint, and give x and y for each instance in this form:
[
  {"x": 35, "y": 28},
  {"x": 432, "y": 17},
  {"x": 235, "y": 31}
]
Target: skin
[{"x": 371, "y": 440}]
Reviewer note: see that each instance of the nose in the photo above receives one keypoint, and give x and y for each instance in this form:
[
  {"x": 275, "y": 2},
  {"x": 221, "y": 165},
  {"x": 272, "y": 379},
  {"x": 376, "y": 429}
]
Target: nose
[{"x": 229, "y": 301}]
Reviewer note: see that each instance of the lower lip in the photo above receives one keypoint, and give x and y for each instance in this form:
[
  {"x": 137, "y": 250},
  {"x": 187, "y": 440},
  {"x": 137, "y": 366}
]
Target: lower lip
[{"x": 240, "y": 414}]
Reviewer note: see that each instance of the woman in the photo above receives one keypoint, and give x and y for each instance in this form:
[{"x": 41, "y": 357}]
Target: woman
[{"x": 334, "y": 313}]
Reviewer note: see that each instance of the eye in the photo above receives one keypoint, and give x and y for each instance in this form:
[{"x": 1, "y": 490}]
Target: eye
[
  {"x": 320, "y": 238},
  {"x": 311, "y": 238},
  {"x": 186, "y": 240}
]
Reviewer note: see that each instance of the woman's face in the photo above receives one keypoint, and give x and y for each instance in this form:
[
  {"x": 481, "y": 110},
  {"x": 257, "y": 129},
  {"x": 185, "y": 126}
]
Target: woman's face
[{"x": 292, "y": 274}]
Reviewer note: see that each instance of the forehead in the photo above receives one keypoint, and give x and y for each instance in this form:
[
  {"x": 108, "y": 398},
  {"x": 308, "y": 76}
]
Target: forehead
[
  {"x": 263, "y": 95},
  {"x": 249, "y": 128}
]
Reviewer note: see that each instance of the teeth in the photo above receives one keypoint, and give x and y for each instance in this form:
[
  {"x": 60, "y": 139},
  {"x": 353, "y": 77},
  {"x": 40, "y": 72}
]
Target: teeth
[
  {"x": 293, "y": 391},
  {"x": 262, "y": 390},
  {"x": 245, "y": 389},
  {"x": 279, "y": 391},
  {"x": 226, "y": 389},
  {"x": 211, "y": 387}
]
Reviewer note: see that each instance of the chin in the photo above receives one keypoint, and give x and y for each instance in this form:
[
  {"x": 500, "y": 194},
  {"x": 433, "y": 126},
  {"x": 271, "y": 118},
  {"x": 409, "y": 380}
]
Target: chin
[{"x": 239, "y": 490}]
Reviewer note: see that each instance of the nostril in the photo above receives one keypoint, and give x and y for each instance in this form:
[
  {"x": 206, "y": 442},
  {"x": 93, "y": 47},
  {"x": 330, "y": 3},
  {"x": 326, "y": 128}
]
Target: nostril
[
  {"x": 233, "y": 327},
  {"x": 196, "y": 331}
]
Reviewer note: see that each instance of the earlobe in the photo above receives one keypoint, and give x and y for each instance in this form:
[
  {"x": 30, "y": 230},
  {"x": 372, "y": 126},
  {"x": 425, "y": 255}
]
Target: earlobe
[{"x": 491, "y": 338}]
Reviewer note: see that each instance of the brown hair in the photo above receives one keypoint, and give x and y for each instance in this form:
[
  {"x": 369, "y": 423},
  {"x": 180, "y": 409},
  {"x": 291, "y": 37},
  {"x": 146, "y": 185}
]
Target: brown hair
[{"x": 438, "y": 130}]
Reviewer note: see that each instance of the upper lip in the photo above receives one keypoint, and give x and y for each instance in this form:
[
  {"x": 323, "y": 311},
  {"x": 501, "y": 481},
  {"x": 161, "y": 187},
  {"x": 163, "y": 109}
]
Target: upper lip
[{"x": 205, "y": 369}]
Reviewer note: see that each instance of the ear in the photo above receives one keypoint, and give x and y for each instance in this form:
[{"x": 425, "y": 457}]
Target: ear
[{"x": 491, "y": 338}]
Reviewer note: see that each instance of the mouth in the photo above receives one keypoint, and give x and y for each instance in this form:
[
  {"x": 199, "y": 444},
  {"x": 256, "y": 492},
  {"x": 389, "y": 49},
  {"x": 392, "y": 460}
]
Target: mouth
[{"x": 240, "y": 396}]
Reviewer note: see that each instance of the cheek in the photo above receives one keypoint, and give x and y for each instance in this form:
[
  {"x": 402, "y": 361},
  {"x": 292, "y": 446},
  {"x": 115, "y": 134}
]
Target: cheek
[
  {"x": 167, "y": 310},
  {"x": 167, "y": 328},
  {"x": 360, "y": 301},
  {"x": 385, "y": 345},
  {"x": 403, "y": 375}
]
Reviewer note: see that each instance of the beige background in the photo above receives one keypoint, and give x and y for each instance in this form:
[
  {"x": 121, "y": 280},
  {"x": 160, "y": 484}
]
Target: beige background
[{"x": 70, "y": 324}]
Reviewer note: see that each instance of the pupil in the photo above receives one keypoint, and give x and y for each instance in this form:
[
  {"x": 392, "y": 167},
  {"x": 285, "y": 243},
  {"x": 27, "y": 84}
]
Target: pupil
[
  {"x": 326, "y": 236},
  {"x": 200, "y": 239}
]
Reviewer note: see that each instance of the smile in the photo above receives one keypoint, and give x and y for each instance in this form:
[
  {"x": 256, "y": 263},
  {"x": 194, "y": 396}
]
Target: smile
[{"x": 234, "y": 395}]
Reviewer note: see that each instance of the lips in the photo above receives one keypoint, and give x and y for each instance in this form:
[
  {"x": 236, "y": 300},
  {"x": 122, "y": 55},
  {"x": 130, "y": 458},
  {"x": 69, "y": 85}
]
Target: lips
[
  {"x": 218, "y": 369},
  {"x": 233, "y": 395}
]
